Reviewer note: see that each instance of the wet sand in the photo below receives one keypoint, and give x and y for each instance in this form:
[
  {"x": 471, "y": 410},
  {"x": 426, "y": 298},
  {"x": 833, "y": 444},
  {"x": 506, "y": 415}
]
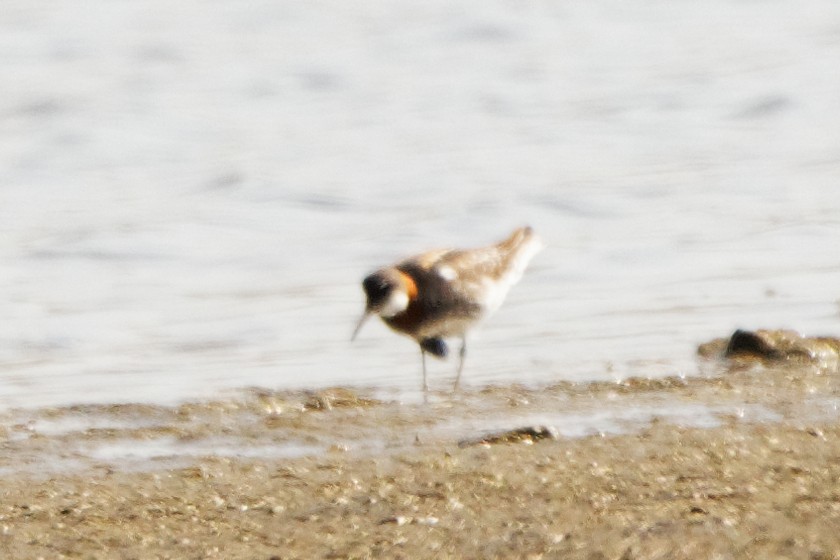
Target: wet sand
[{"x": 338, "y": 475}]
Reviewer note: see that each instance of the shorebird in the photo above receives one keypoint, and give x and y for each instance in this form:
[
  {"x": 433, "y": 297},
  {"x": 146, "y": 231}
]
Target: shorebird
[{"x": 445, "y": 293}]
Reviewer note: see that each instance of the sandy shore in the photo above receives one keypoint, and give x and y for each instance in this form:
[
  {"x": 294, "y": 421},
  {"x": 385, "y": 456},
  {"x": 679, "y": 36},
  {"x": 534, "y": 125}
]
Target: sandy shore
[{"x": 391, "y": 481}]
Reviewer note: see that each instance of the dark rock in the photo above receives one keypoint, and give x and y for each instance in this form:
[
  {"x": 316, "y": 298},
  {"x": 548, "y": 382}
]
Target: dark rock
[{"x": 773, "y": 347}]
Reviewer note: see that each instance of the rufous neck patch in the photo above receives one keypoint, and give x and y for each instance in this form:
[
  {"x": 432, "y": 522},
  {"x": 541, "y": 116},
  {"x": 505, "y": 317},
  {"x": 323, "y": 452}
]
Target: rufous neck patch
[{"x": 410, "y": 285}]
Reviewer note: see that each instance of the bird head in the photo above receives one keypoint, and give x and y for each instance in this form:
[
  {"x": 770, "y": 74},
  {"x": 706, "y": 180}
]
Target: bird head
[{"x": 388, "y": 293}]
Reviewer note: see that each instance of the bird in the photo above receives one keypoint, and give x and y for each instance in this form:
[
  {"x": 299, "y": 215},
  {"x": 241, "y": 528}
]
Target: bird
[{"x": 445, "y": 293}]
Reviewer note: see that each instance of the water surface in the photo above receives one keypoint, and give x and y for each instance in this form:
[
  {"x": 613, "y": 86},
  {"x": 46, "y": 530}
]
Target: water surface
[{"x": 190, "y": 193}]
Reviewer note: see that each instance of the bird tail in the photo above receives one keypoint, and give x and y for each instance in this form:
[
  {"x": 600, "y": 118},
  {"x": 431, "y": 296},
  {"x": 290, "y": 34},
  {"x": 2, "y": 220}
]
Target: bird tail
[
  {"x": 519, "y": 249},
  {"x": 518, "y": 238}
]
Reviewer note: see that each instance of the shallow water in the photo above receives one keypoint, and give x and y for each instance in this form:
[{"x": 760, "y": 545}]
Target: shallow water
[
  {"x": 284, "y": 425},
  {"x": 190, "y": 193}
]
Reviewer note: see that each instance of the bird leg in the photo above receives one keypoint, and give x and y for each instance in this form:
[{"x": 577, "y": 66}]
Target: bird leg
[
  {"x": 461, "y": 353},
  {"x": 423, "y": 359}
]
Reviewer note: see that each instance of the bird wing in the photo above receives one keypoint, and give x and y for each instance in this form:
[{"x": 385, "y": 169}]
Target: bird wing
[
  {"x": 461, "y": 285},
  {"x": 471, "y": 264},
  {"x": 486, "y": 274},
  {"x": 505, "y": 261}
]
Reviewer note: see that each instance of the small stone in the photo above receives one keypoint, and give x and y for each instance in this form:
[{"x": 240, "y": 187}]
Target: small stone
[
  {"x": 527, "y": 435},
  {"x": 398, "y": 520}
]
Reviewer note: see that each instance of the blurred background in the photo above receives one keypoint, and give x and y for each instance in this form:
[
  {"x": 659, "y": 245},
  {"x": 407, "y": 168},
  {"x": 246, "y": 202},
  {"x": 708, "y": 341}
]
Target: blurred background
[{"x": 191, "y": 192}]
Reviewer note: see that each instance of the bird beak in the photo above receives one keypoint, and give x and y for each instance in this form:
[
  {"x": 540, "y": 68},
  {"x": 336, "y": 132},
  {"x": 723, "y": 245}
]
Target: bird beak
[{"x": 361, "y": 322}]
